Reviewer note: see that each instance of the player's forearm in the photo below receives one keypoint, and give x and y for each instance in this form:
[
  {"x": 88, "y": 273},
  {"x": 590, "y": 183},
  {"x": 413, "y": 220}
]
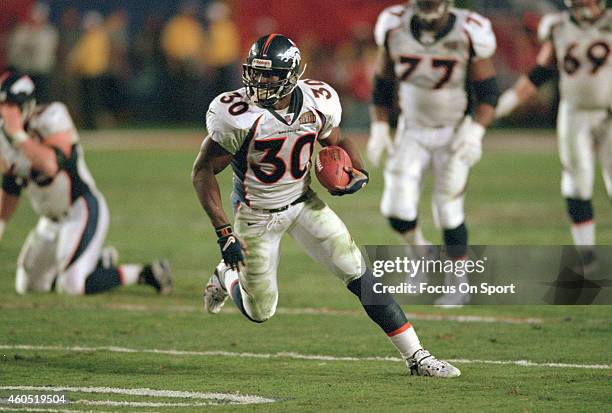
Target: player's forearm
[
  {"x": 209, "y": 195},
  {"x": 484, "y": 114},
  {"x": 42, "y": 157},
  {"x": 352, "y": 152},
  {"x": 8, "y": 205},
  {"x": 379, "y": 114}
]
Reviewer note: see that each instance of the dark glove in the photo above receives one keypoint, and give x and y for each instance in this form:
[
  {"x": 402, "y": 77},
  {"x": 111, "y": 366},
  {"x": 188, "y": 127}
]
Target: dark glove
[
  {"x": 231, "y": 250},
  {"x": 359, "y": 179}
]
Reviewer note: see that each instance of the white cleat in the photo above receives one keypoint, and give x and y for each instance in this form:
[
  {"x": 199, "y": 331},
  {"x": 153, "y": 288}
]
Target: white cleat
[
  {"x": 163, "y": 276},
  {"x": 422, "y": 363},
  {"x": 215, "y": 294}
]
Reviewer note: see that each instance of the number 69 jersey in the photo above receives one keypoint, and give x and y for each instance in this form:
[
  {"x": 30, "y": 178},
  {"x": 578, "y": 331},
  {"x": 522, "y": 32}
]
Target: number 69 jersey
[
  {"x": 583, "y": 58},
  {"x": 273, "y": 149},
  {"x": 433, "y": 70}
]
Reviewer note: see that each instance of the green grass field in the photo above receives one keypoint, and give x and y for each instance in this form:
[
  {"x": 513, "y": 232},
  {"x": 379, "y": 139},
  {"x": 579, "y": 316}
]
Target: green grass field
[{"x": 320, "y": 352}]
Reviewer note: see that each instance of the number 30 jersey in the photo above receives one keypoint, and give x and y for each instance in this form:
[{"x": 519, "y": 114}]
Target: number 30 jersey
[
  {"x": 583, "y": 56},
  {"x": 273, "y": 149},
  {"x": 432, "y": 69}
]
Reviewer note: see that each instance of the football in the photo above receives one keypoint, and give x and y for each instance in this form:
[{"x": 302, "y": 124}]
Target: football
[{"x": 329, "y": 167}]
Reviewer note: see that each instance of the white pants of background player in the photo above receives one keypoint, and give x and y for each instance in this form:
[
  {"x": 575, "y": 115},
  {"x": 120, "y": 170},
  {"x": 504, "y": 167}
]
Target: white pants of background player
[
  {"x": 65, "y": 251},
  {"x": 415, "y": 151},
  {"x": 584, "y": 135},
  {"x": 314, "y": 226}
]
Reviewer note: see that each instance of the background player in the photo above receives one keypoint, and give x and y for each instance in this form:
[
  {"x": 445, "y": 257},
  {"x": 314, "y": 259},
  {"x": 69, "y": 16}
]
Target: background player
[
  {"x": 267, "y": 132},
  {"x": 433, "y": 51},
  {"x": 577, "y": 44},
  {"x": 41, "y": 153}
]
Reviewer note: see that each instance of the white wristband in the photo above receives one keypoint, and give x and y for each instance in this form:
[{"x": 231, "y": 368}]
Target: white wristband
[
  {"x": 508, "y": 101},
  {"x": 20, "y": 137},
  {"x": 2, "y": 226},
  {"x": 380, "y": 128}
]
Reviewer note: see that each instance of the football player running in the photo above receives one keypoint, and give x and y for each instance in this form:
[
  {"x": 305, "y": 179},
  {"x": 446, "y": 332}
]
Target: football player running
[
  {"x": 41, "y": 154},
  {"x": 440, "y": 57},
  {"x": 576, "y": 44},
  {"x": 267, "y": 132}
]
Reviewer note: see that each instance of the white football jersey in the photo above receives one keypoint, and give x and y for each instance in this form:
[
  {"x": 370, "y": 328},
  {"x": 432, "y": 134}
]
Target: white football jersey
[
  {"x": 584, "y": 61},
  {"x": 273, "y": 149},
  {"x": 432, "y": 71},
  {"x": 51, "y": 197}
]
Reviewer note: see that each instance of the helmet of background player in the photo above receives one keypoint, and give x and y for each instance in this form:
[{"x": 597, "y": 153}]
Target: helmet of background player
[
  {"x": 429, "y": 11},
  {"x": 585, "y": 9},
  {"x": 19, "y": 89},
  {"x": 272, "y": 69}
]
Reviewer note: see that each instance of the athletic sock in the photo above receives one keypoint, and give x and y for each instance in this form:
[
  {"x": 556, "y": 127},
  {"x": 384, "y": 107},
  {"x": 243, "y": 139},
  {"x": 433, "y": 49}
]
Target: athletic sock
[
  {"x": 583, "y": 234},
  {"x": 405, "y": 340},
  {"x": 146, "y": 277},
  {"x": 130, "y": 273},
  {"x": 414, "y": 237}
]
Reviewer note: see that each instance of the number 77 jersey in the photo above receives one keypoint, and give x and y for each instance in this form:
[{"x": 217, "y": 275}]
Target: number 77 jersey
[
  {"x": 272, "y": 149},
  {"x": 432, "y": 69}
]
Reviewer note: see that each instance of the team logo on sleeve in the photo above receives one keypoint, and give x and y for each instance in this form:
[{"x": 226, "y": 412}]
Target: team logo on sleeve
[{"x": 308, "y": 117}]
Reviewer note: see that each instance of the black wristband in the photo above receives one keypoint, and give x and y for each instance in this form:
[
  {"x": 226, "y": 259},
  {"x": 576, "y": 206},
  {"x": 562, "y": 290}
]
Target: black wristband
[
  {"x": 540, "y": 75},
  {"x": 223, "y": 230},
  {"x": 383, "y": 92},
  {"x": 487, "y": 91}
]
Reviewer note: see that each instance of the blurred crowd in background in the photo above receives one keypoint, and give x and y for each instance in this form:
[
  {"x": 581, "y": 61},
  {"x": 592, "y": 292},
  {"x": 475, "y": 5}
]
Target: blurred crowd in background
[{"x": 161, "y": 63}]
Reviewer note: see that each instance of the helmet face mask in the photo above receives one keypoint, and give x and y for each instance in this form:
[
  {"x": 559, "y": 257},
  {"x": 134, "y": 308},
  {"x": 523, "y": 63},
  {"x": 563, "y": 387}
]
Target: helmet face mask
[
  {"x": 428, "y": 11},
  {"x": 271, "y": 71},
  {"x": 585, "y": 9},
  {"x": 18, "y": 89}
]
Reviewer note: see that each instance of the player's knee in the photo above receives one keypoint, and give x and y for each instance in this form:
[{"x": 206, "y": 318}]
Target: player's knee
[
  {"x": 402, "y": 226},
  {"x": 21, "y": 281},
  {"x": 455, "y": 240},
  {"x": 579, "y": 210},
  {"x": 259, "y": 314}
]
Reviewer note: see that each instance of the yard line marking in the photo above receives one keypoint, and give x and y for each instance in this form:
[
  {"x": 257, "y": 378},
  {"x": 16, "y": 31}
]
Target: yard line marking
[
  {"x": 290, "y": 355},
  {"x": 296, "y": 311},
  {"x": 179, "y": 394},
  {"x": 141, "y": 404}
]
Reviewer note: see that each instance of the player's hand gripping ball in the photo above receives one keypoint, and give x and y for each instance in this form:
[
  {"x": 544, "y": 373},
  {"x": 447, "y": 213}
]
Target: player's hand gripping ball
[{"x": 329, "y": 167}]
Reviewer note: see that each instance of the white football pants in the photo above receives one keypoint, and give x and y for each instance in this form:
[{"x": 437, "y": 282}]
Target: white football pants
[
  {"x": 66, "y": 251},
  {"x": 584, "y": 135},
  {"x": 414, "y": 152},
  {"x": 314, "y": 226}
]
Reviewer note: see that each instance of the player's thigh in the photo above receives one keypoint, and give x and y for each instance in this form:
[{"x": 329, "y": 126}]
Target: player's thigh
[
  {"x": 37, "y": 265},
  {"x": 258, "y": 278},
  {"x": 326, "y": 239},
  {"x": 82, "y": 237},
  {"x": 576, "y": 151},
  {"x": 403, "y": 175}
]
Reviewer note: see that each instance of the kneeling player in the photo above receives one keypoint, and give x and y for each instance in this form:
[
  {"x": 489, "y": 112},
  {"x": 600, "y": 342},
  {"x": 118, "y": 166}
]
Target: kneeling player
[
  {"x": 267, "y": 132},
  {"x": 41, "y": 153}
]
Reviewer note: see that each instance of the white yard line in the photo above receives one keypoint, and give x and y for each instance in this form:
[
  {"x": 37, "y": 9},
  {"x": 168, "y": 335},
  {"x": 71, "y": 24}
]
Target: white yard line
[
  {"x": 290, "y": 355},
  {"x": 305, "y": 311}
]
